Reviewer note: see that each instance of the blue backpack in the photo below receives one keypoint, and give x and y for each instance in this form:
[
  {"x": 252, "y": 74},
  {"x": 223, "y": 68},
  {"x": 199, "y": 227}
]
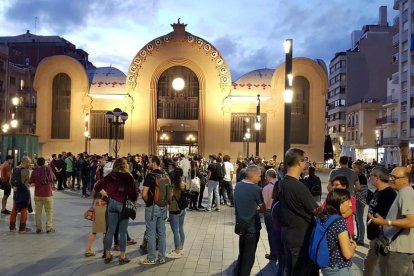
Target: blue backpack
[{"x": 318, "y": 247}]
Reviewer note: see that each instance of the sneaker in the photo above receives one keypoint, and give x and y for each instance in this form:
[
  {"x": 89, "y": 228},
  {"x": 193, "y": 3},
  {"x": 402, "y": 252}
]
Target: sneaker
[
  {"x": 217, "y": 210},
  {"x": 38, "y": 231},
  {"x": 50, "y": 230},
  {"x": 208, "y": 210},
  {"x": 161, "y": 260},
  {"x": 6, "y": 212},
  {"x": 147, "y": 261},
  {"x": 200, "y": 207},
  {"x": 174, "y": 255}
]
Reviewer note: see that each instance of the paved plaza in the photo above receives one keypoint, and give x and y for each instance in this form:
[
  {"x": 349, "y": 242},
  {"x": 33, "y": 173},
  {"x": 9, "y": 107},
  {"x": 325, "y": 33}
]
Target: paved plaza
[{"x": 211, "y": 247}]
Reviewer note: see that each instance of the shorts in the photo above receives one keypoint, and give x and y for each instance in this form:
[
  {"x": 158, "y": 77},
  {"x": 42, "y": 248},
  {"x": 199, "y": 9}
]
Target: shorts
[
  {"x": 69, "y": 174},
  {"x": 7, "y": 190}
]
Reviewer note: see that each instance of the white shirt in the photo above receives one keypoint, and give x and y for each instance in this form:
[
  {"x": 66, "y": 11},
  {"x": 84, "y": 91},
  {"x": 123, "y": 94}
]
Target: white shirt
[
  {"x": 185, "y": 165},
  {"x": 229, "y": 169}
]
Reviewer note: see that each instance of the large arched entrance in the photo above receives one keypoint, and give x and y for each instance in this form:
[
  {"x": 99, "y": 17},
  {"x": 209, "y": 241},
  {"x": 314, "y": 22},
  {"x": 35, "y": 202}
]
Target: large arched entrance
[{"x": 178, "y": 98}]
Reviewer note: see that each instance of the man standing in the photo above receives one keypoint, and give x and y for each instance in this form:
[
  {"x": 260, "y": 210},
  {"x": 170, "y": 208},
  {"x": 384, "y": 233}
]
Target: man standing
[
  {"x": 227, "y": 181},
  {"x": 186, "y": 166},
  {"x": 70, "y": 177},
  {"x": 297, "y": 207},
  {"x": 267, "y": 192},
  {"x": 248, "y": 198},
  {"x": 380, "y": 203},
  {"x": 352, "y": 177},
  {"x": 213, "y": 184},
  {"x": 154, "y": 215},
  {"x": 60, "y": 170},
  {"x": 399, "y": 224},
  {"x": 5, "y": 179},
  {"x": 21, "y": 195}
]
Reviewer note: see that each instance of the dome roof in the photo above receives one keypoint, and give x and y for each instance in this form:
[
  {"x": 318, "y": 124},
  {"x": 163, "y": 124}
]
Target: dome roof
[
  {"x": 257, "y": 78},
  {"x": 106, "y": 80}
]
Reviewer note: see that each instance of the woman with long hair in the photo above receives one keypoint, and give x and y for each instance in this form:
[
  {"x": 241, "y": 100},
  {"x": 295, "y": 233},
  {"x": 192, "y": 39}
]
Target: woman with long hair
[
  {"x": 119, "y": 185},
  {"x": 177, "y": 214},
  {"x": 341, "y": 182},
  {"x": 341, "y": 247}
]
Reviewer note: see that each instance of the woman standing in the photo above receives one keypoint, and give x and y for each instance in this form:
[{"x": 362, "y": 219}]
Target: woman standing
[
  {"x": 361, "y": 195},
  {"x": 119, "y": 187},
  {"x": 99, "y": 220},
  {"x": 341, "y": 247},
  {"x": 176, "y": 214},
  {"x": 43, "y": 179},
  {"x": 313, "y": 182}
]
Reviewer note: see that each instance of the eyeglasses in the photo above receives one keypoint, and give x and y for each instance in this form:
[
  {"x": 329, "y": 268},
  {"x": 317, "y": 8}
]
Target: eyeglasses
[{"x": 396, "y": 177}]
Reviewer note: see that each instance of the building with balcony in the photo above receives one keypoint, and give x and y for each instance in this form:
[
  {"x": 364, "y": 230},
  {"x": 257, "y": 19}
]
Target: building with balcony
[
  {"x": 361, "y": 125},
  {"x": 359, "y": 76},
  {"x": 401, "y": 84}
]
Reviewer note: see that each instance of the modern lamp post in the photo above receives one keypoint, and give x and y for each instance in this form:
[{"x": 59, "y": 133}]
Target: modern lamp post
[
  {"x": 247, "y": 135},
  {"x": 288, "y": 96},
  {"x": 86, "y": 133},
  {"x": 117, "y": 117},
  {"x": 377, "y": 141},
  {"x": 14, "y": 124},
  {"x": 257, "y": 125}
]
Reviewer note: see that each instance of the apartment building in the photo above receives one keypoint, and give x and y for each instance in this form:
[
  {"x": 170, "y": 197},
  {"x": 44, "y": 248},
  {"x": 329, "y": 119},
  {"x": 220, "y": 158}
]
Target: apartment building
[{"x": 359, "y": 75}]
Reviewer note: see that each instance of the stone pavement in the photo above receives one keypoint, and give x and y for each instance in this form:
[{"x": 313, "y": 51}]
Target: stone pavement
[{"x": 211, "y": 247}]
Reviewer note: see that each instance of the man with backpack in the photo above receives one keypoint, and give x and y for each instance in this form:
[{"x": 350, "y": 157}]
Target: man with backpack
[
  {"x": 156, "y": 194},
  {"x": 214, "y": 176},
  {"x": 21, "y": 196}
]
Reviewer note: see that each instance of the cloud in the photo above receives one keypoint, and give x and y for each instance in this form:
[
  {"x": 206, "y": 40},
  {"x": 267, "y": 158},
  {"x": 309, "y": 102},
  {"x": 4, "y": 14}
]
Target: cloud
[{"x": 63, "y": 16}]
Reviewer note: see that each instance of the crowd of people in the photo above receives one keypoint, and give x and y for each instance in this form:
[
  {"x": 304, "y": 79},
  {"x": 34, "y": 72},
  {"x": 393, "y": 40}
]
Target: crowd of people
[{"x": 289, "y": 196}]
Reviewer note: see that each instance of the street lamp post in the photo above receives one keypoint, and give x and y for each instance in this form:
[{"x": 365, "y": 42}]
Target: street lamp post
[
  {"x": 377, "y": 142},
  {"x": 86, "y": 133},
  {"x": 288, "y": 95},
  {"x": 116, "y": 118},
  {"x": 14, "y": 124},
  {"x": 257, "y": 125},
  {"x": 247, "y": 135}
]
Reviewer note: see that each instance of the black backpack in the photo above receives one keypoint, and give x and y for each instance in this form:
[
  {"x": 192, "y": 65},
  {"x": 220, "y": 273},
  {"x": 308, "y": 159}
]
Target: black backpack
[
  {"x": 184, "y": 200},
  {"x": 220, "y": 171},
  {"x": 16, "y": 178}
]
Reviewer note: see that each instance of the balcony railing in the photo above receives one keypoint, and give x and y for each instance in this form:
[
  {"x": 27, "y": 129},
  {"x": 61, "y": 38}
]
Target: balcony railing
[
  {"x": 392, "y": 99},
  {"x": 390, "y": 119},
  {"x": 390, "y": 141}
]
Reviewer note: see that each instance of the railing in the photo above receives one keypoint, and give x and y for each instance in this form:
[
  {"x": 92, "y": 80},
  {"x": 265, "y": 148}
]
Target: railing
[
  {"x": 404, "y": 95},
  {"x": 392, "y": 99},
  {"x": 386, "y": 120},
  {"x": 390, "y": 141},
  {"x": 395, "y": 78},
  {"x": 177, "y": 109}
]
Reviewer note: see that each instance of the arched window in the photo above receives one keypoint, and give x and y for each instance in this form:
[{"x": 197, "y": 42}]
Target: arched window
[
  {"x": 61, "y": 96},
  {"x": 299, "y": 132},
  {"x": 178, "y": 104}
]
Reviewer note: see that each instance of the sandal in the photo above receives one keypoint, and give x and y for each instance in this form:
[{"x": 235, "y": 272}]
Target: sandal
[
  {"x": 90, "y": 253},
  {"x": 124, "y": 261},
  {"x": 131, "y": 242},
  {"x": 108, "y": 260}
]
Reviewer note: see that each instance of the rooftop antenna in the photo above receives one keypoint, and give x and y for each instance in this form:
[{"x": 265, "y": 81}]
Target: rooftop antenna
[{"x": 35, "y": 25}]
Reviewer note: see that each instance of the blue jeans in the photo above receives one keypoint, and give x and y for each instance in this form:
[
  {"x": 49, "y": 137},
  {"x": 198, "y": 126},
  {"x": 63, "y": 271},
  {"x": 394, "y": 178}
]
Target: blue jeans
[
  {"x": 270, "y": 233},
  {"x": 359, "y": 218},
  {"x": 114, "y": 210},
  {"x": 213, "y": 187},
  {"x": 346, "y": 271},
  {"x": 177, "y": 227},
  {"x": 155, "y": 223}
]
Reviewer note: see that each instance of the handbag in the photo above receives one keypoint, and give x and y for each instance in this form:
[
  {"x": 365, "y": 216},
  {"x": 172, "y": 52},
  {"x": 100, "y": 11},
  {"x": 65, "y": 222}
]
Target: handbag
[
  {"x": 129, "y": 210},
  {"x": 241, "y": 228},
  {"x": 89, "y": 214},
  {"x": 382, "y": 244}
]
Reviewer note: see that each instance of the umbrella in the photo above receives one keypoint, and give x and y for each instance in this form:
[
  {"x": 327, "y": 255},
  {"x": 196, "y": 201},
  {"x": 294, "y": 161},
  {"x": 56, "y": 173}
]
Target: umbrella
[
  {"x": 328, "y": 148},
  {"x": 352, "y": 153},
  {"x": 396, "y": 156},
  {"x": 344, "y": 151}
]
